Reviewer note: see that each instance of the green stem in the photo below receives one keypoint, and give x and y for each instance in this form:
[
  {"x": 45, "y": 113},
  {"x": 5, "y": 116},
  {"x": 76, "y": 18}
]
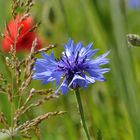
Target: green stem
[
  {"x": 79, "y": 102},
  {"x": 12, "y": 103}
]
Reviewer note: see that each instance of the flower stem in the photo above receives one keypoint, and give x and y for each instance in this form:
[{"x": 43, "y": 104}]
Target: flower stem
[{"x": 79, "y": 102}]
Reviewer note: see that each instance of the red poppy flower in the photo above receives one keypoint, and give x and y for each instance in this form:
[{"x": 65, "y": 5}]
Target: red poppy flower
[{"x": 24, "y": 39}]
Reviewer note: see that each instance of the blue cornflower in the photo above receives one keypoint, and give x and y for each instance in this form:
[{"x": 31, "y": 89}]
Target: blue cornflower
[
  {"x": 135, "y": 3},
  {"x": 74, "y": 69}
]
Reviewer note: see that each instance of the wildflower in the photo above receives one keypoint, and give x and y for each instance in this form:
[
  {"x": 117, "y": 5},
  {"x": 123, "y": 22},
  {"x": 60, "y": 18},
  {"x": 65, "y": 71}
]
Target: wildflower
[
  {"x": 75, "y": 68},
  {"x": 135, "y": 3},
  {"x": 23, "y": 38}
]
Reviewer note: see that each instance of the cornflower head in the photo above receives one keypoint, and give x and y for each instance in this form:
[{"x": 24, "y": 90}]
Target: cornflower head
[
  {"x": 74, "y": 69},
  {"x": 135, "y": 4}
]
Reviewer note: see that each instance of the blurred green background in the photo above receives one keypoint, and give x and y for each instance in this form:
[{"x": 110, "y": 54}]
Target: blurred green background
[{"x": 111, "y": 108}]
